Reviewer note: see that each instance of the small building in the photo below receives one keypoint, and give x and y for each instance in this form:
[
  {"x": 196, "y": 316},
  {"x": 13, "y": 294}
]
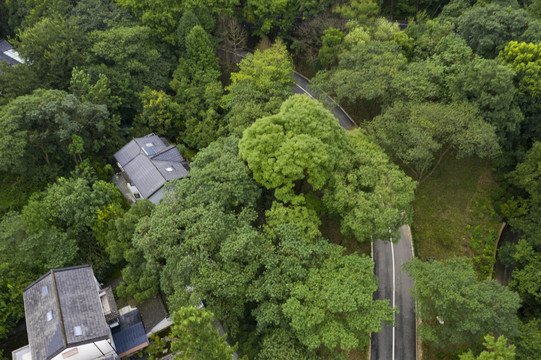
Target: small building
[
  {"x": 8, "y": 54},
  {"x": 69, "y": 315},
  {"x": 146, "y": 164}
]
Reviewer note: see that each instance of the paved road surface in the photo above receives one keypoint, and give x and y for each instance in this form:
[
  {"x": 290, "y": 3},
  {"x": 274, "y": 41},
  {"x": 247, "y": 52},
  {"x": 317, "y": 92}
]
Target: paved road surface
[{"x": 395, "y": 343}]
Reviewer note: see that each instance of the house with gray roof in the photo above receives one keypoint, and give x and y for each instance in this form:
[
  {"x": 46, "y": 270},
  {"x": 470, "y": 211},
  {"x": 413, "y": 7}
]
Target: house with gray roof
[
  {"x": 146, "y": 164},
  {"x": 69, "y": 315},
  {"x": 8, "y": 54}
]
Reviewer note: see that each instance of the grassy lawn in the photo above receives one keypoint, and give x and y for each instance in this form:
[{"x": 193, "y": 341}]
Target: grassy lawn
[{"x": 453, "y": 214}]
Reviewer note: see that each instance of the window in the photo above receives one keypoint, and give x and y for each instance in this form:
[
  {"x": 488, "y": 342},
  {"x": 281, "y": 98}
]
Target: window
[
  {"x": 77, "y": 331},
  {"x": 169, "y": 169},
  {"x": 44, "y": 290},
  {"x": 49, "y": 315},
  {"x": 137, "y": 195}
]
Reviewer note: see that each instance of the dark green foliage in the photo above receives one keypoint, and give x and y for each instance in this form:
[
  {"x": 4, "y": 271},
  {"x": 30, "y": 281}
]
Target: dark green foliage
[
  {"x": 450, "y": 292},
  {"x": 198, "y": 90},
  {"x": 488, "y": 29},
  {"x": 91, "y": 15}
]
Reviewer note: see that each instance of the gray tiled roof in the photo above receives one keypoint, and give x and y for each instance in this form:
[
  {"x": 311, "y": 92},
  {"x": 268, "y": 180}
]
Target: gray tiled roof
[
  {"x": 130, "y": 332},
  {"x": 73, "y": 300},
  {"x": 5, "y": 45},
  {"x": 150, "y": 172}
]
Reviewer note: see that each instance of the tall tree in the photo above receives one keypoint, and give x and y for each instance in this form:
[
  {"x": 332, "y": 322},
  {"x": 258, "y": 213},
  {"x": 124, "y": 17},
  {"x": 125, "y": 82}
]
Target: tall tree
[
  {"x": 419, "y": 135},
  {"x": 198, "y": 89},
  {"x": 495, "y": 350},
  {"x": 456, "y": 309},
  {"x": 263, "y": 82}
]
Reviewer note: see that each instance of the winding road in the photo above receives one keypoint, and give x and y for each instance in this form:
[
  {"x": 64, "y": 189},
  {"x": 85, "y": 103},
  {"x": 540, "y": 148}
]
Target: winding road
[{"x": 390, "y": 343}]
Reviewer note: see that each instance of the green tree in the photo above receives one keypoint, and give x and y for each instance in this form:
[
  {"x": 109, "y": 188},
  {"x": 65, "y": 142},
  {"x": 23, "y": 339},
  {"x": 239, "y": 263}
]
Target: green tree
[
  {"x": 455, "y": 308},
  {"x": 363, "y": 78},
  {"x": 269, "y": 14},
  {"x": 330, "y": 47},
  {"x": 161, "y": 115},
  {"x": 53, "y": 47},
  {"x": 128, "y": 57},
  {"x": 198, "y": 89},
  {"x": 39, "y": 127},
  {"x": 360, "y": 10},
  {"x": 17, "y": 81},
  {"x": 495, "y": 350},
  {"x": 196, "y": 337},
  {"x": 527, "y": 276},
  {"x": 91, "y": 15},
  {"x": 320, "y": 316},
  {"x": 528, "y": 343},
  {"x": 263, "y": 82},
  {"x": 489, "y": 85},
  {"x": 488, "y": 29},
  {"x": 26, "y": 13},
  {"x": 420, "y": 135}
]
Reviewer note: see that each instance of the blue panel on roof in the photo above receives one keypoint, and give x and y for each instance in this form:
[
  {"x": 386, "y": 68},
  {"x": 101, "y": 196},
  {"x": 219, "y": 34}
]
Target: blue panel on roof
[{"x": 149, "y": 151}]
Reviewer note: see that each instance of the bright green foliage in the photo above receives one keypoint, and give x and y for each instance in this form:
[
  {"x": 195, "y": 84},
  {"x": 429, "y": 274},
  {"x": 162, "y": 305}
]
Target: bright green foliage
[
  {"x": 365, "y": 183},
  {"x": 489, "y": 85},
  {"x": 321, "y": 314},
  {"x": 363, "y": 76},
  {"x": 161, "y": 115},
  {"x": 525, "y": 60},
  {"x": 187, "y": 22},
  {"x": 420, "y": 135},
  {"x": 300, "y": 143},
  {"x": 281, "y": 344},
  {"x": 488, "y": 29},
  {"x": 54, "y": 47},
  {"x": 331, "y": 43},
  {"x": 496, "y": 350},
  {"x": 305, "y": 217},
  {"x": 196, "y": 337},
  {"x": 39, "y": 127},
  {"x": 263, "y": 82},
  {"x": 360, "y": 10},
  {"x": 198, "y": 90},
  {"x": 130, "y": 60},
  {"x": 268, "y": 14},
  {"x": 449, "y": 292},
  {"x": 420, "y": 81}
]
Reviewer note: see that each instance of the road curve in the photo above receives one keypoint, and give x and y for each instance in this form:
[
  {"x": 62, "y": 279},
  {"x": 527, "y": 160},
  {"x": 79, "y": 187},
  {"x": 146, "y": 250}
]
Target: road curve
[{"x": 398, "y": 342}]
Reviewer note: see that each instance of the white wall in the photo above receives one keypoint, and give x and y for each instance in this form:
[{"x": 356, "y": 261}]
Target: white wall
[{"x": 89, "y": 351}]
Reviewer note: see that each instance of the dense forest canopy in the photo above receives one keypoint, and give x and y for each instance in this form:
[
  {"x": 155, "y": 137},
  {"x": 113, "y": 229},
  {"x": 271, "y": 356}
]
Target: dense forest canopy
[{"x": 261, "y": 231}]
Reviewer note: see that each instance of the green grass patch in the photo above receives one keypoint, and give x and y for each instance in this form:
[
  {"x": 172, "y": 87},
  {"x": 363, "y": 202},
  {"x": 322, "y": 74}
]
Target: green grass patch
[{"x": 453, "y": 212}]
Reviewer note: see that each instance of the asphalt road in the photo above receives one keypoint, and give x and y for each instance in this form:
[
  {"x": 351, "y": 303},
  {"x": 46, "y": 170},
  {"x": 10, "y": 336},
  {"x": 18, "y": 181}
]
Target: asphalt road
[{"x": 398, "y": 342}]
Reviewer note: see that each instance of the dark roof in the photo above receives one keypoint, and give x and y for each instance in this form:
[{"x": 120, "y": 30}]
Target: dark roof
[
  {"x": 130, "y": 334},
  {"x": 71, "y": 299},
  {"x": 5, "y": 45},
  {"x": 150, "y": 169}
]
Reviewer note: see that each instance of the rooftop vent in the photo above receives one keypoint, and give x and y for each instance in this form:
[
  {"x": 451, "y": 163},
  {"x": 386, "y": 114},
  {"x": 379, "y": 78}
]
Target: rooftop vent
[
  {"x": 169, "y": 169},
  {"x": 49, "y": 315},
  {"x": 77, "y": 331}
]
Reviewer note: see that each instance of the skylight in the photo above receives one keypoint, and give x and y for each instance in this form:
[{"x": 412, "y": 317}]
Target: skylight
[
  {"x": 77, "y": 331},
  {"x": 149, "y": 144},
  {"x": 169, "y": 169},
  {"x": 49, "y": 315},
  {"x": 44, "y": 290},
  {"x": 149, "y": 151}
]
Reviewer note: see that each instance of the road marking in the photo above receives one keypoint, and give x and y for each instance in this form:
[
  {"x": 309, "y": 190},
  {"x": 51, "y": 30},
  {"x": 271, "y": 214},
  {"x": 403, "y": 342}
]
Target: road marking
[
  {"x": 306, "y": 92},
  {"x": 394, "y": 313}
]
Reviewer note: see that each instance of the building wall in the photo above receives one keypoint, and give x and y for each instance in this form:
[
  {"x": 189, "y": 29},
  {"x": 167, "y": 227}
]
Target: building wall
[
  {"x": 89, "y": 351},
  {"x": 157, "y": 196}
]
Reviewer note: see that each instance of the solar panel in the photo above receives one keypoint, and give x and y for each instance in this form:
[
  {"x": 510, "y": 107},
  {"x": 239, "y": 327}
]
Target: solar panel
[{"x": 149, "y": 151}]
